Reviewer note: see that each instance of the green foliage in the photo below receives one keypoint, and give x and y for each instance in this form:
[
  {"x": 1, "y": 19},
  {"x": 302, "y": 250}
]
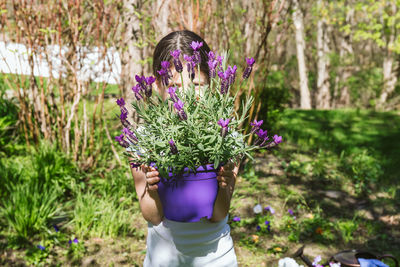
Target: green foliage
[
  {"x": 198, "y": 139},
  {"x": 318, "y": 229},
  {"x": 35, "y": 256},
  {"x": 8, "y": 122},
  {"x": 347, "y": 229},
  {"x": 53, "y": 167},
  {"x": 32, "y": 186},
  {"x": 343, "y": 131},
  {"x": 370, "y": 80},
  {"x": 101, "y": 216},
  {"x": 274, "y": 96},
  {"x": 364, "y": 169},
  {"x": 29, "y": 207}
]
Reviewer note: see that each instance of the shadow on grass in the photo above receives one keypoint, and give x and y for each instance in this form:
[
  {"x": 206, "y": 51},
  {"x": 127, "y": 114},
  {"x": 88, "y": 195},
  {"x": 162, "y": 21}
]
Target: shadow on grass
[{"x": 348, "y": 131}]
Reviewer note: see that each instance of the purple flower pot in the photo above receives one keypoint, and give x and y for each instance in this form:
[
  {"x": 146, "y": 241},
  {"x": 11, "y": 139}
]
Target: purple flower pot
[{"x": 188, "y": 197}]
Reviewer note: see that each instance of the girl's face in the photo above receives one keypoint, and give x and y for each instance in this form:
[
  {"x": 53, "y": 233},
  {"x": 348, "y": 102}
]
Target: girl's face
[{"x": 200, "y": 79}]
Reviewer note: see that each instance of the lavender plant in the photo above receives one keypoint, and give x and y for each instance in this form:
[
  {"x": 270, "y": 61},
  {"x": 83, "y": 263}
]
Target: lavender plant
[{"x": 195, "y": 125}]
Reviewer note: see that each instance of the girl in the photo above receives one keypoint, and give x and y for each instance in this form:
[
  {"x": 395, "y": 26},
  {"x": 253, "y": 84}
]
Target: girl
[{"x": 171, "y": 243}]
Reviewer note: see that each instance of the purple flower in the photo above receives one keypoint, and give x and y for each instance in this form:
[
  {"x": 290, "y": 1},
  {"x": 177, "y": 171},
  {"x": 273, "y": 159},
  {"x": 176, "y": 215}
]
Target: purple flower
[
  {"x": 121, "y": 102},
  {"x": 124, "y": 118},
  {"x": 268, "y": 224},
  {"x": 135, "y": 165},
  {"x": 277, "y": 139},
  {"x": 232, "y": 74},
  {"x": 211, "y": 55},
  {"x": 262, "y": 137},
  {"x": 256, "y": 125},
  {"x": 250, "y": 62},
  {"x": 212, "y": 65},
  {"x": 175, "y": 53},
  {"x": 220, "y": 59},
  {"x": 290, "y": 211},
  {"x": 177, "y": 63},
  {"x": 258, "y": 228},
  {"x": 224, "y": 76},
  {"x": 136, "y": 90},
  {"x": 196, "y": 45},
  {"x": 174, "y": 149},
  {"x": 121, "y": 140},
  {"x": 171, "y": 91},
  {"x": 196, "y": 54},
  {"x": 165, "y": 65},
  {"x": 316, "y": 261},
  {"x": 262, "y": 134},
  {"x": 236, "y": 219},
  {"x": 224, "y": 124},
  {"x": 40, "y": 247},
  {"x": 141, "y": 81},
  {"x": 270, "y": 209},
  {"x": 56, "y": 228},
  {"x": 191, "y": 64},
  {"x": 149, "y": 82},
  {"x": 130, "y": 135},
  {"x": 179, "y": 107},
  {"x": 69, "y": 241},
  {"x": 76, "y": 241},
  {"x": 165, "y": 73}
]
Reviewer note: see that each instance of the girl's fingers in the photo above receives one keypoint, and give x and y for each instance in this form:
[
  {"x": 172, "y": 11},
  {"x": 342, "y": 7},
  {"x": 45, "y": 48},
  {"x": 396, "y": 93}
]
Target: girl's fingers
[
  {"x": 152, "y": 174},
  {"x": 152, "y": 181},
  {"x": 226, "y": 173},
  {"x": 153, "y": 187}
]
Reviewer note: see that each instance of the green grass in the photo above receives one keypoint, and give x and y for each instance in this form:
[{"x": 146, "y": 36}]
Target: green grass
[
  {"x": 347, "y": 131},
  {"x": 323, "y": 151}
]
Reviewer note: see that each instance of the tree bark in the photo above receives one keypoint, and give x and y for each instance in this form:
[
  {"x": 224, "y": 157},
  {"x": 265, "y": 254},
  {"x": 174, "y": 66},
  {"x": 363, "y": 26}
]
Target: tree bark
[
  {"x": 129, "y": 51},
  {"x": 323, "y": 96},
  {"x": 305, "y": 99},
  {"x": 389, "y": 64},
  {"x": 341, "y": 96}
]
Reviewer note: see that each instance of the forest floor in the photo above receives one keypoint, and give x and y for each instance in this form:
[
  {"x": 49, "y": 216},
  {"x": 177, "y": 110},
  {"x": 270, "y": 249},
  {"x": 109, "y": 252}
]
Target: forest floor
[{"x": 307, "y": 192}]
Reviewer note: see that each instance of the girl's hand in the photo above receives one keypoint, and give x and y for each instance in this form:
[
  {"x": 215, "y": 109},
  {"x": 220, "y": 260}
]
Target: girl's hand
[
  {"x": 152, "y": 177},
  {"x": 226, "y": 175}
]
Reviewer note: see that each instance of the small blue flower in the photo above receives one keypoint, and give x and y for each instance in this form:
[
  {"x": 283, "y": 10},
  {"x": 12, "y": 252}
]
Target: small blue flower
[
  {"x": 258, "y": 228},
  {"x": 76, "y": 241},
  {"x": 56, "y": 228},
  {"x": 290, "y": 211},
  {"x": 69, "y": 242},
  {"x": 40, "y": 247}
]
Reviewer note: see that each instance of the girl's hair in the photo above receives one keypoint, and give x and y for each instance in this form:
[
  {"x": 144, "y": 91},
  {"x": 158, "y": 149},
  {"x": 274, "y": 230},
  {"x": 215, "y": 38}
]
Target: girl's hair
[{"x": 179, "y": 40}]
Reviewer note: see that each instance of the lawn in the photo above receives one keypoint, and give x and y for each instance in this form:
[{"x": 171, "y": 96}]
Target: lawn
[{"x": 332, "y": 185}]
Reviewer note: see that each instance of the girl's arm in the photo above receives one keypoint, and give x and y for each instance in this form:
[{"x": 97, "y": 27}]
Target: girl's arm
[
  {"x": 149, "y": 201},
  {"x": 226, "y": 180}
]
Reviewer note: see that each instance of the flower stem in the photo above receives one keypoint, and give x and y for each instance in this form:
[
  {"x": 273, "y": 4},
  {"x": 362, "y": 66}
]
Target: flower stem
[{"x": 183, "y": 86}]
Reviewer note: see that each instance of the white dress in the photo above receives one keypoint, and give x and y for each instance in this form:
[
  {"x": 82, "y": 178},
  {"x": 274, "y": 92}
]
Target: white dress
[{"x": 202, "y": 243}]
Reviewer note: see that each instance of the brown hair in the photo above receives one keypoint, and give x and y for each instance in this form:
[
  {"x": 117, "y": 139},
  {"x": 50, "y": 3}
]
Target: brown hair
[{"x": 179, "y": 40}]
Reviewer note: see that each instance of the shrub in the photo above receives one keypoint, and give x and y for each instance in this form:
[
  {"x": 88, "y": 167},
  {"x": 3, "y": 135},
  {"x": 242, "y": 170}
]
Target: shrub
[{"x": 364, "y": 169}]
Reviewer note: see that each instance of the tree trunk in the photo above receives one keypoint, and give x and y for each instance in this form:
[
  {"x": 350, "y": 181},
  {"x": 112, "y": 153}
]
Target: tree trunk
[
  {"x": 305, "y": 99},
  {"x": 323, "y": 96},
  {"x": 341, "y": 93},
  {"x": 129, "y": 51},
  {"x": 160, "y": 20},
  {"x": 389, "y": 68}
]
